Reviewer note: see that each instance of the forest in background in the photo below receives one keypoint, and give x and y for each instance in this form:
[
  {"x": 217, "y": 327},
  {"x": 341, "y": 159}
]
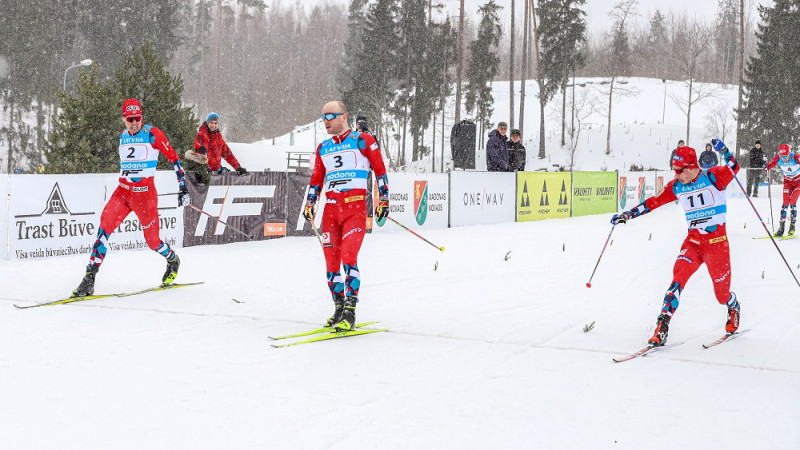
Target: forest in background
[{"x": 266, "y": 68}]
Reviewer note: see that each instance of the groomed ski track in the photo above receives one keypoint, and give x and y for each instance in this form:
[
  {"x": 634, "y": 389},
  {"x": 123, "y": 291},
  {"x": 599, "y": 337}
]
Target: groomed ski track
[{"x": 480, "y": 353}]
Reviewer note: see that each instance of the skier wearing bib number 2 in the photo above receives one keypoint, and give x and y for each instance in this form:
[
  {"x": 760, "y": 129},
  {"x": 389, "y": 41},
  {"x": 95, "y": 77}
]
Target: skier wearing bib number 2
[
  {"x": 139, "y": 147},
  {"x": 342, "y": 164},
  {"x": 702, "y": 195}
]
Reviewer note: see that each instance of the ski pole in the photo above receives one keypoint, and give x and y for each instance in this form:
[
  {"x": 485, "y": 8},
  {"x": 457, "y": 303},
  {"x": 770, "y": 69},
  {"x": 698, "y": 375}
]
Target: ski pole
[
  {"x": 415, "y": 234},
  {"x": 589, "y": 283},
  {"x": 769, "y": 195},
  {"x": 764, "y": 225},
  {"x": 171, "y": 193},
  {"x": 220, "y": 221},
  {"x": 316, "y": 232}
]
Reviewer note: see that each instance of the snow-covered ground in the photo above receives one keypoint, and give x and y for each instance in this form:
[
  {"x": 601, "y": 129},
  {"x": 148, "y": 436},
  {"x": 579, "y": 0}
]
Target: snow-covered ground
[{"x": 482, "y": 353}]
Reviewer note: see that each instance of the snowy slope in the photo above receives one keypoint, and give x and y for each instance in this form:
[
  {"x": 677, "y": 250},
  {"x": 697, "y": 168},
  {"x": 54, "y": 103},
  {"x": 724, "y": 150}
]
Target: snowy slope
[{"x": 481, "y": 353}]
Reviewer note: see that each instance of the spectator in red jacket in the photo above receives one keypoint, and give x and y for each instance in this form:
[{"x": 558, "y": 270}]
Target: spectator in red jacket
[{"x": 209, "y": 142}]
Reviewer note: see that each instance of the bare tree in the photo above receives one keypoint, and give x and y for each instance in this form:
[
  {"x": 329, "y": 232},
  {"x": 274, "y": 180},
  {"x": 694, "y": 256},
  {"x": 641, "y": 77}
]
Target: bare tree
[
  {"x": 720, "y": 121},
  {"x": 690, "y": 41},
  {"x": 583, "y": 107}
]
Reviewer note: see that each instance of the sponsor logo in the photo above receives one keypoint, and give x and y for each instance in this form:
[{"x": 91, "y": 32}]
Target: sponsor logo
[
  {"x": 332, "y": 185},
  {"x": 326, "y": 238},
  {"x": 354, "y": 198},
  {"x": 718, "y": 239},
  {"x": 697, "y": 222},
  {"x": 683, "y": 251},
  {"x": 225, "y": 202},
  {"x": 544, "y": 200},
  {"x": 722, "y": 278},
  {"x": 702, "y": 213},
  {"x": 525, "y": 198},
  {"x": 129, "y": 165},
  {"x": 38, "y": 226},
  {"x": 641, "y": 189},
  {"x": 420, "y": 201},
  {"x": 604, "y": 191},
  {"x": 353, "y": 231},
  {"x": 141, "y": 188},
  {"x": 144, "y": 227},
  {"x": 483, "y": 199},
  {"x": 623, "y": 186},
  {"x": 341, "y": 175},
  {"x": 684, "y": 258},
  {"x": 275, "y": 229}
]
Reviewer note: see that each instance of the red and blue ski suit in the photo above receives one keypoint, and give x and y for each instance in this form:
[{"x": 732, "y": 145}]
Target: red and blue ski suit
[
  {"x": 704, "y": 203},
  {"x": 136, "y": 191},
  {"x": 342, "y": 164},
  {"x": 791, "y": 183}
]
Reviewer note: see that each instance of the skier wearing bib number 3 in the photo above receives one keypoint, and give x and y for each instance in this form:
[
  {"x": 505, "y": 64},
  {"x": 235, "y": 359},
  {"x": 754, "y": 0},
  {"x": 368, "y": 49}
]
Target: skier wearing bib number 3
[
  {"x": 139, "y": 147},
  {"x": 702, "y": 195},
  {"x": 342, "y": 164}
]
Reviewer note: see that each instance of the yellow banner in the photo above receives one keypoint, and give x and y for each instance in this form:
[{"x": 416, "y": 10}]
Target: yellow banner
[{"x": 543, "y": 195}]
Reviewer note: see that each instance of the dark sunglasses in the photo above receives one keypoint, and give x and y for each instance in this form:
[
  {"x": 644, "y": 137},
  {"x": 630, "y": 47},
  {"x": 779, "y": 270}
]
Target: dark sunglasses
[
  {"x": 134, "y": 119},
  {"x": 331, "y": 116},
  {"x": 679, "y": 171}
]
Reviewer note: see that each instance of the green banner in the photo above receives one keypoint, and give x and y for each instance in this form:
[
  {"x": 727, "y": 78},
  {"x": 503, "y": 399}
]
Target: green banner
[
  {"x": 594, "y": 193},
  {"x": 542, "y": 195}
]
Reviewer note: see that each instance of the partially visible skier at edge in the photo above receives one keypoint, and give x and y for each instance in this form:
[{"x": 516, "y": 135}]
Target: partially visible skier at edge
[
  {"x": 139, "y": 147},
  {"x": 702, "y": 196}
]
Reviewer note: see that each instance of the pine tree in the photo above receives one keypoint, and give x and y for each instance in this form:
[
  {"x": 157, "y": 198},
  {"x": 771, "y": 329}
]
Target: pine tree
[
  {"x": 772, "y": 79},
  {"x": 484, "y": 65},
  {"x": 562, "y": 30},
  {"x": 85, "y": 136}
]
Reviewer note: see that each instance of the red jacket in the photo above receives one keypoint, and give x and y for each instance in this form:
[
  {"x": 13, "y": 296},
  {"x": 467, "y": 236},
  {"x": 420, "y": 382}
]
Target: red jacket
[{"x": 212, "y": 144}]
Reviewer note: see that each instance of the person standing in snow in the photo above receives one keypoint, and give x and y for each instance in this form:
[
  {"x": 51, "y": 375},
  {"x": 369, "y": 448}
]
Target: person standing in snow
[
  {"x": 209, "y": 142},
  {"x": 708, "y": 158},
  {"x": 342, "y": 163},
  {"x": 139, "y": 147},
  {"x": 680, "y": 144},
  {"x": 789, "y": 162},
  {"x": 757, "y": 163},
  {"x": 497, "y": 149},
  {"x": 516, "y": 152},
  {"x": 702, "y": 195}
]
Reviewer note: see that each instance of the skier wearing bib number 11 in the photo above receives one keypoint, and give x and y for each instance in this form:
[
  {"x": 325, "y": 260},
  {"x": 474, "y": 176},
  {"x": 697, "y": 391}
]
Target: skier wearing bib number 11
[
  {"x": 342, "y": 164},
  {"x": 139, "y": 147},
  {"x": 702, "y": 195}
]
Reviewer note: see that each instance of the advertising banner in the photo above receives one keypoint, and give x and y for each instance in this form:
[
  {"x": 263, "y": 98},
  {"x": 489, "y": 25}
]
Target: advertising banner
[
  {"x": 481, "y": 198},
  {"x": 59, "y": 215},
  {"x": 252, "y": 204},
  {"x": 594, "y": 193},
  {"x": 5, "y": 180},
  {"x": 634, "y": 187},
  {"x": 543, "y": 195},
  {"x": 417, "y": 200}
]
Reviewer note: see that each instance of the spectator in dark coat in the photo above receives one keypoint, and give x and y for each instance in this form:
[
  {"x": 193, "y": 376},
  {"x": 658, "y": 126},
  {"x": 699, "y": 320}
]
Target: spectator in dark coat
[
  {"x": 708, "y": 158},
  {"x": 516, "y": 152},
  {"x": 680, "y": 144},
  {"x": 497, "y": 150},
  {"x": 757, "y": 162}
]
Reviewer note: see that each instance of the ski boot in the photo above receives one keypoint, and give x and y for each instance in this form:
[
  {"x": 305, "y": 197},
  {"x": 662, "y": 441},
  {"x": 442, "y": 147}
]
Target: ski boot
[
  {"x": 791, "y": 230},
  {"x": 733, "y": 320},
  {"x": 338, "y": 303},
  {"x": 348, "y": 320},
  {"x": 172, "y": 270},
  {"x": 87, "y": 283},
  {"x": 662, "y": 328},
  {"x": 779, "y": 233}
]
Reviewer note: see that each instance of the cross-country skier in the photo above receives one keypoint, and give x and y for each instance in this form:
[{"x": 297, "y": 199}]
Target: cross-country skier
[
  {"x": 789, "y": 162},
  {"x": 139, "y": 147},
  {"x": 342, "y": 164},
  {"x": 702, "y": 195}
]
